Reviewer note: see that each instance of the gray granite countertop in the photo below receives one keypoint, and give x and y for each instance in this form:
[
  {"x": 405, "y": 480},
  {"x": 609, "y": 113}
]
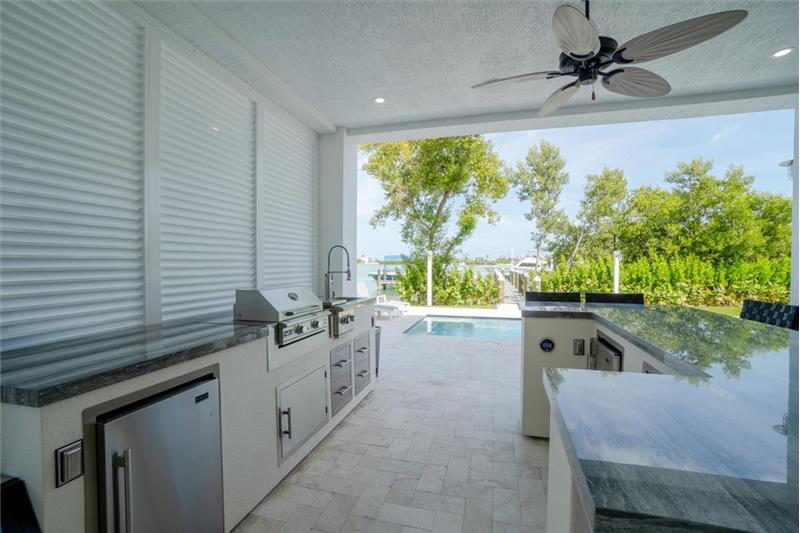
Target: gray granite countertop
[
  {"x": 714, "y": 447},
  {"x": 47, "y": 373}
]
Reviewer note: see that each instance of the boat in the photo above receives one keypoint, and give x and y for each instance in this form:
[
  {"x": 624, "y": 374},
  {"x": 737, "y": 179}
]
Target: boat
[{"x": 387, "y": 276}]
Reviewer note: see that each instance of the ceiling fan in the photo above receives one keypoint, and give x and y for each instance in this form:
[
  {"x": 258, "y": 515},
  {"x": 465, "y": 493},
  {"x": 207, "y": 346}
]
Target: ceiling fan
[{"x": 586, "y": 54}]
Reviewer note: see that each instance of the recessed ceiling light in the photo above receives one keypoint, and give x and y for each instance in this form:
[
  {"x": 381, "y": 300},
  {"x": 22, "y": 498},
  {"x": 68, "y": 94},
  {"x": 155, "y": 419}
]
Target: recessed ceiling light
[
  {"x": 782, "y": 52},
  {"x": 379, "y": 99},
  {"x": 214, "y": 128}
]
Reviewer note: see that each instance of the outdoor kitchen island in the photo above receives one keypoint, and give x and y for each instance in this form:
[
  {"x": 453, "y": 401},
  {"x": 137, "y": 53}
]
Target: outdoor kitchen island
[
  {"x": 710, "y": 445},
  {"x": 275, "y": 401}
]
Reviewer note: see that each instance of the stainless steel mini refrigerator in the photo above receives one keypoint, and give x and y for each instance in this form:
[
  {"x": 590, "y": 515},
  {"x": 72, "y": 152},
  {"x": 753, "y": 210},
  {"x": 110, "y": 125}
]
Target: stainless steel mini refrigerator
[{"x": 160, "y": 463}]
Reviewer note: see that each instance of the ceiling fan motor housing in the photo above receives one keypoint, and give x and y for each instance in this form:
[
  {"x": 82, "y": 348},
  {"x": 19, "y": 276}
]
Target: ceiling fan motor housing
[{"x": 569, "y": 65}]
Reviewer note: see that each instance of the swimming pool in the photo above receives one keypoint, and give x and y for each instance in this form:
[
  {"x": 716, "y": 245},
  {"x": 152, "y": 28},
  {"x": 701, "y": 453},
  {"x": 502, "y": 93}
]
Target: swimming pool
[{"x": 456, "y": 326}]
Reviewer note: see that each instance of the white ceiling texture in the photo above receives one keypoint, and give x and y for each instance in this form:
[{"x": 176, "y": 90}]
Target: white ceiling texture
[{"x": 327, "y": 61}]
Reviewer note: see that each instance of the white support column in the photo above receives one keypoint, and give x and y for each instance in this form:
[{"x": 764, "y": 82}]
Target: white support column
[
  {"x": 794, "y": 300},
  {"x": 617, "y": 259},
  {"x": 152, "y": 177},
  {"x": 338, "y": 160}
]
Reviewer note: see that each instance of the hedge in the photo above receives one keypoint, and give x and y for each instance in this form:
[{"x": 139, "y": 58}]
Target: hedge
[{"x": 679, "y": 280}]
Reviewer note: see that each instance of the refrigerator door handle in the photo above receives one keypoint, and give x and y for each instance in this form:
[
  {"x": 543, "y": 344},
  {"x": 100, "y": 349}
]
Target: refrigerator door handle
[
  {"x": 125, "y": 461},
  {"x": 288, "y": 413}
]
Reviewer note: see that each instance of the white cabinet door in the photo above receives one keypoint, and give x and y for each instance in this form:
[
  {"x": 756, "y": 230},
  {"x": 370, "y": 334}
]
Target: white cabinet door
[{"x": 302, "y": 409}]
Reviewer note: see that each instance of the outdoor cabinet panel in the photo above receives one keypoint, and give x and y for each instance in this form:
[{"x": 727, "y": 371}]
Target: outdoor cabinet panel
[
  {"x": 302, "y": 410},
  {"x": 341, "y": 376},
  {"x": 361, "y": 373}
]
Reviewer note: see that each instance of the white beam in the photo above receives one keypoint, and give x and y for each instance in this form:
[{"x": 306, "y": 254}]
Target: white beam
[{"x": 634, "y": 110}]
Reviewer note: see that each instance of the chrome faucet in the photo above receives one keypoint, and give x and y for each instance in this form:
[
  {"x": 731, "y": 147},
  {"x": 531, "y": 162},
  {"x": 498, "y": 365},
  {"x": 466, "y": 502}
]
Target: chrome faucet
[{"x": 329, "y": 292}]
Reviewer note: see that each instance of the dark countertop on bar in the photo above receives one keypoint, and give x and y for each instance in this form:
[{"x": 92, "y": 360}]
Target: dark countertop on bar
[
  {"x": 51, "y": 372},
  {"x": 714, "y": 447}
]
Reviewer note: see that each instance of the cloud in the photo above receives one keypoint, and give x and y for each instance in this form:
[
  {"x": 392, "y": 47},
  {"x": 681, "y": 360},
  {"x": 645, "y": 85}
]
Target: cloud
[{"x": 725, "y": 132}]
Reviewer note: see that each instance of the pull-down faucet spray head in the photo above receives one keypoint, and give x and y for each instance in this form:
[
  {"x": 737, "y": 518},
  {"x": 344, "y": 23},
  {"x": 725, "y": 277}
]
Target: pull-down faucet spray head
[{"x": 329, "y": 293}]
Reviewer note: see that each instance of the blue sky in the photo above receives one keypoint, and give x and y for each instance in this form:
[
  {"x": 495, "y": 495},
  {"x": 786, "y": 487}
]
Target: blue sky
[{"x": 645, "y": 151}]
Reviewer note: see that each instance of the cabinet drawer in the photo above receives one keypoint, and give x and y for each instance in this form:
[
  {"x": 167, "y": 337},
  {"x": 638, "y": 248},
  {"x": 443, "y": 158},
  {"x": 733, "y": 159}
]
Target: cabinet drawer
[
  {"x": 361, "y": 345},
  {"x": 340, "y": 396},
  {"x": 341, "y": 368},
  {"x": 341, "y": 361},
  {"x": 362, "y": 373},
  {"x": 341, "y": 376}
]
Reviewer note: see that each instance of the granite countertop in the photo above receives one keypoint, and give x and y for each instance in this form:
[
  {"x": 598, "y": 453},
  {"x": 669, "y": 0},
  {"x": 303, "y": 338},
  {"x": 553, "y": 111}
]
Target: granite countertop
[
  {"x": 714, "y": 447},
  {"x": 51, "y": 372}
]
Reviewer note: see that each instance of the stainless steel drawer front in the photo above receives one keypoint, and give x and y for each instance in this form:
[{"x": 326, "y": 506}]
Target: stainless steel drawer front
[
  {"x": 361, "y": 366},
  {"x": 341, "y": 359}
]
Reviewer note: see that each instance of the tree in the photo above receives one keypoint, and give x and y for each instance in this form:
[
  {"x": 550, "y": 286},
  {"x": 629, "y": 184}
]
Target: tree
[
  {"x": 439, "y": 189},
  {"x": 539, "y": 180},
  {"x": 717, "y": 214},
  {"x": 602, "y": 209},
  {"x": 774, "y": 213},
  {"x": 651, "y": 228}
]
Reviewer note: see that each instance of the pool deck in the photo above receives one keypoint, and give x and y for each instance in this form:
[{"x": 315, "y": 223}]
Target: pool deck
[{"x": 436, "y": 447}]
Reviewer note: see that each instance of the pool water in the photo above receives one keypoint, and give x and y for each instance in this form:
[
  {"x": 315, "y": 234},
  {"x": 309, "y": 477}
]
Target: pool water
[{"x": 452, "y": 326}]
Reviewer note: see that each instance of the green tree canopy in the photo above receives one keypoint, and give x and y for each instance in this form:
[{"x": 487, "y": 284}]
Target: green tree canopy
[
  {"x": 439, "y": 189},
  {"x": 722, "y": 220},
  {"x": 601, "y": 214},
  {"x": 539, "y": 179}
]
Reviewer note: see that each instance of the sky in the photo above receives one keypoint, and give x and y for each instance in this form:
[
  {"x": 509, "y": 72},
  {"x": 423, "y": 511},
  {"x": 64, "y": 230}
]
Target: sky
[{"x": 645, "y": 151}]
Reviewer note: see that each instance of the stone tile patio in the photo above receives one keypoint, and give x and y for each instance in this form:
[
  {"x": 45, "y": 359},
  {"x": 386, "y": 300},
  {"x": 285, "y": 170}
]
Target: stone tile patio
[{"x": 435, "y": 448}]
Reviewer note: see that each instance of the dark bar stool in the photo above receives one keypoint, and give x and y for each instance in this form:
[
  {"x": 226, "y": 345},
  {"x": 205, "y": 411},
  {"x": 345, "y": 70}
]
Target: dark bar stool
[
  {"x": 614, "y": 298},
  {"x": 569, "y": 297},
  {"x": 783, "y": 315}
]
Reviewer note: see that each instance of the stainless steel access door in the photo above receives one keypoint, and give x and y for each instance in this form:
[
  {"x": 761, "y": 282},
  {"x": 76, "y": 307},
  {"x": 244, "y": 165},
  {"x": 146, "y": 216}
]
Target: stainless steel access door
[
  {"x": 302, "y": 410},
  {"x": 161, "y": 463},
  {"x": 608, "y": 357}
]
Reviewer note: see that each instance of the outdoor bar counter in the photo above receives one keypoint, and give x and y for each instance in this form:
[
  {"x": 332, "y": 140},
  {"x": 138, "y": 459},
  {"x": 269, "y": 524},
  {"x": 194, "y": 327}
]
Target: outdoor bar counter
[{"x": 713, "y": 445}]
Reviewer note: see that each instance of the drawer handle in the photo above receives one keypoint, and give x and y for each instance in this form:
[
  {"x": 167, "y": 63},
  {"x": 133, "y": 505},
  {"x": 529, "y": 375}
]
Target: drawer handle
[
  {"x": 362, "y": 350},
  {"x": 344, "y": 390},
  {"x": 341, "y": 363},
  {"x": 363, "y": 373}
]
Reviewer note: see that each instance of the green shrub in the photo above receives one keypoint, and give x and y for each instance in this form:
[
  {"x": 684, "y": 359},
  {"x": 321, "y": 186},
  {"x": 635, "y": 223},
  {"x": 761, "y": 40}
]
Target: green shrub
[
  {"x": 679, "y": 280},
  {"x": 450, "y": 285}
]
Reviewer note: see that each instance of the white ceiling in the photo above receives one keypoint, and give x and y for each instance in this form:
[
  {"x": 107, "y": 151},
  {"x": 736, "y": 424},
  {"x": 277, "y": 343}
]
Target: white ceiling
[{"x": 335, "y": 57}]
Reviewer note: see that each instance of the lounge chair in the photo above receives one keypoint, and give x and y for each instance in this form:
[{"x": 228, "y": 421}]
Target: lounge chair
[{"x": 385, "y": 308}]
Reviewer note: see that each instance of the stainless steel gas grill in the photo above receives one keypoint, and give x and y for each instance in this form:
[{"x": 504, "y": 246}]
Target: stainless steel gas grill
[{"x": 297, "y": 313}]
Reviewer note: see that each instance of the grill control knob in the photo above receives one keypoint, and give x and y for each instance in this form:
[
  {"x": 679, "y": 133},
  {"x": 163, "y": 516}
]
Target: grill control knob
[
  {"x": 299, "y": 329},
  {"x": 314, "y": 324},
  {"x": 343, "y": 320}
]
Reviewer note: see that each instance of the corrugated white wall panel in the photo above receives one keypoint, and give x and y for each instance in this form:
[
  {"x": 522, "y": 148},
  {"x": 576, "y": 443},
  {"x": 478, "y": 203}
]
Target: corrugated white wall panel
[
  {"x": 72, "y": 142},
  {"x": 207, "y": 180},
  {"x": 289, "y": 219}
]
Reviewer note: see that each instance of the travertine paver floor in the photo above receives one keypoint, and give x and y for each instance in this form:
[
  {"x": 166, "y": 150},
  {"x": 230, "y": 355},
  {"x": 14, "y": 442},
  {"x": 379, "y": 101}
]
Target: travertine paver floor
[{"x": 435, "y": 447}]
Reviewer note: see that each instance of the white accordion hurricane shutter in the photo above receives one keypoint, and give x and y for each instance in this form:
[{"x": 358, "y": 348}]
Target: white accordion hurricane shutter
[
  {"x": 207, "y": 181},
  {"x": 72, "y": 179},
  {"x": 289, "y": 202}
]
